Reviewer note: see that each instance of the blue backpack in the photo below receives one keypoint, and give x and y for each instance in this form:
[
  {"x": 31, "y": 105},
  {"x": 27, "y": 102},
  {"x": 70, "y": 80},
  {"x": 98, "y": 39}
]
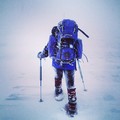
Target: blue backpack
[
  {"x": 66, "y": 47},
  {"x": 68, "y": 29},
  {"x": 67, "y": 41}
]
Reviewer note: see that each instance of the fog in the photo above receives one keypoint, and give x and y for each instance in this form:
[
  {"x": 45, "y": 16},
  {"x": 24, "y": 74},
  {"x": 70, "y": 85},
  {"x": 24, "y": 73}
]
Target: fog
[{"x": 25, "y": 27}]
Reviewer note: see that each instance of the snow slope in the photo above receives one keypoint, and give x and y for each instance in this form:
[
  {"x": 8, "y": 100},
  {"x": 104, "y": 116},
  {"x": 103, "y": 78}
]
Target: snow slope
[{"x": 24, "y": 30}]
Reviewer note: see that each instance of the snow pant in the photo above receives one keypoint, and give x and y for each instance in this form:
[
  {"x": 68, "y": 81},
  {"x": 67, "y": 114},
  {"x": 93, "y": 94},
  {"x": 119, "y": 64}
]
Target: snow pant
[{"x": 71, "y": 90}]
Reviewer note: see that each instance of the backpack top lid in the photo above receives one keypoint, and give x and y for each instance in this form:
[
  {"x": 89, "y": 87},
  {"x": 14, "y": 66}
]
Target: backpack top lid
[{"x": 68, "y": 29}]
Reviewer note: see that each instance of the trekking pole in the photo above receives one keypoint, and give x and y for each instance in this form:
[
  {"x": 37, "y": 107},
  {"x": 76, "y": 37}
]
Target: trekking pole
[
  {"x": 81, "y": 76},
  {"x": 41, "y": 80}
]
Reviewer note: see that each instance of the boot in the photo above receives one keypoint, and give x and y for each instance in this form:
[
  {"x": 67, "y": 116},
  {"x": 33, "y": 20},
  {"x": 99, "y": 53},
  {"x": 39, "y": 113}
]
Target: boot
[
  {"x": 59, "y": 94},
  {"x": 71, "y": 107},
  {"x": 58, "y": 90}
]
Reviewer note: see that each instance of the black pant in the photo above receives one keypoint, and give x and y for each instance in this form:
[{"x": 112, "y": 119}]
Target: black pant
[{"x": 69, "y": 75}]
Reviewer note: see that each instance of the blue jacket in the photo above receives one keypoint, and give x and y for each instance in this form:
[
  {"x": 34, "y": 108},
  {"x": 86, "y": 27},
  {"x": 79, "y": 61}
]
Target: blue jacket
[{"x": 52, "y": 48}]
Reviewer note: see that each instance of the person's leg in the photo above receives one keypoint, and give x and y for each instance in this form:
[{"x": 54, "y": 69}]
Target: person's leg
[
  {"x": 58, "y": 84},
  {"x": 71, "y": 91},
  {"x": 58, "y": 78}
]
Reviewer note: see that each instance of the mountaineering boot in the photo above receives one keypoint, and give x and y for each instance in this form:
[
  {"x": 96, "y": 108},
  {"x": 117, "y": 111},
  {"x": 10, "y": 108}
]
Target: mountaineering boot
[
  {"x": 58, "y": 90},
  {"x": 71, "y": 107},
  {"x": 59, "y": 94}
]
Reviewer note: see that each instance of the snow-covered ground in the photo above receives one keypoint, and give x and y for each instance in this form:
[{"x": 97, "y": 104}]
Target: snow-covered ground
[{"x": 25, "y": 26}]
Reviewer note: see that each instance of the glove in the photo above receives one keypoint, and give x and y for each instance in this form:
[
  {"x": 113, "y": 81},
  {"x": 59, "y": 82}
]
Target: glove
[
  {"x": 42, "y": 55},
  {"x": 39, "y": 55}
]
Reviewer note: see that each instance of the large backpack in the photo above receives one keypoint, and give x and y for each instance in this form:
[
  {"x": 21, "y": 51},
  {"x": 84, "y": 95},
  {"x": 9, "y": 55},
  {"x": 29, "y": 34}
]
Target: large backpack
[
  {"x": 66, "y": 47},
  {"x": 67, "y": 29},
  {"x": 67, "y": 41}
]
